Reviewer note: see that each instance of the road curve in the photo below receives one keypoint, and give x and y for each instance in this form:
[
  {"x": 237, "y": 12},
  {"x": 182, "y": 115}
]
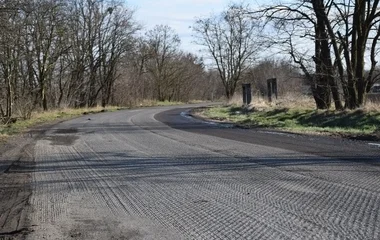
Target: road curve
[{"x": 153, "y": 174}]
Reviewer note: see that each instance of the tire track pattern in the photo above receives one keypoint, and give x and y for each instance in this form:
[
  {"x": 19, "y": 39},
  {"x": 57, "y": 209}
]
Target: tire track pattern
[{"x": 128, "y": 167}]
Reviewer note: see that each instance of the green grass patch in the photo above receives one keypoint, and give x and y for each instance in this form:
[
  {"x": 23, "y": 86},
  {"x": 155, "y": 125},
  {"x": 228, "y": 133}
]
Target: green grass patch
[{"x": 350, "y": 122}]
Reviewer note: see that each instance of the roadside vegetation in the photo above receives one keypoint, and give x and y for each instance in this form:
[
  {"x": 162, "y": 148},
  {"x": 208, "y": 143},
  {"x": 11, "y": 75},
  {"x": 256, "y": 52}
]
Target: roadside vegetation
[
  {"x": 18, "y": 125},
  {"x": 361, "y": 123}
]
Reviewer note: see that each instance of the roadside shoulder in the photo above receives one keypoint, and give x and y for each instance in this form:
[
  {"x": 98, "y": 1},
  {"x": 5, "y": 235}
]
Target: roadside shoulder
[
  {"x": 16, "y": 167},
  {"x": 197, "y": 113}
]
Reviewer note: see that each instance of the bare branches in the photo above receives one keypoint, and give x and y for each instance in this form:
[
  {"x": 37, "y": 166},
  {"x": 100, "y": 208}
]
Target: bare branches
[
  {"x": 343, "y": 32},
  {"x": 231, "y": 39},
  {"x": 56, "y": 52},
  {"x": 163, "y": 46}
]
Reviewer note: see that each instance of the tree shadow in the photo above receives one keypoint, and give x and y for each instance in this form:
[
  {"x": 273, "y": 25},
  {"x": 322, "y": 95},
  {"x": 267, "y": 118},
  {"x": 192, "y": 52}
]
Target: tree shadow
[{"x": 132, "y": 168}]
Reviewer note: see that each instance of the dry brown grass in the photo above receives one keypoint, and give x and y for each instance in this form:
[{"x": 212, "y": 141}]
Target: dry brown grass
[
  {"x": 237, "y": 99},
  {"x": 258, "y": 102},
  {"x": 286, "y": 101},
  {"x": 372, "y": 106},
  {"x": 3, "y": 137},
  {"x": 293, "y": 101},
  {"x": 299, "y": 114}
]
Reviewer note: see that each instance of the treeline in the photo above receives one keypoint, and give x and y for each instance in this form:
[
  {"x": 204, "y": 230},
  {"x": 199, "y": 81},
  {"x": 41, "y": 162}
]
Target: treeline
[
  {"x": 61, "y": 52},
  {"x": 158, "y": 69},
  {"x": 83, "y": 53}
]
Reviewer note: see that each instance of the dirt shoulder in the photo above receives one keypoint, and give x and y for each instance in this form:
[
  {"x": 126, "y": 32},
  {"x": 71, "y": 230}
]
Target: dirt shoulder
[{"x": 16, "y": 167}]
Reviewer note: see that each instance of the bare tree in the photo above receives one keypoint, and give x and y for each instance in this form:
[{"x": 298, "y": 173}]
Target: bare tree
[
  {"x": 163, "y": 44},
  {"x": 114, "y": 43},
  {"x": 61, "y": 52},
  {"x": 46, "y": 42},
  {"x": 8, "y": 63},
  {"x": 231, "y": 40},
  {"x": 100, "y": 35},
  {"x": 288, "y": 75},
  {"x": 356, "y": 36},
  {"x": 298, "y": 27},
  {"x": 189, "y": 71},
  {"x": 158, "y": 70},
  {"x": 344, "y": 33},
  {"x": 13, "y": 22}
]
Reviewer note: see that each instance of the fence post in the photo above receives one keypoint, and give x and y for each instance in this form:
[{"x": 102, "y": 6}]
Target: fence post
[
  {"x": 272, "y": 88},
  {"x": 247, "y": 94}
]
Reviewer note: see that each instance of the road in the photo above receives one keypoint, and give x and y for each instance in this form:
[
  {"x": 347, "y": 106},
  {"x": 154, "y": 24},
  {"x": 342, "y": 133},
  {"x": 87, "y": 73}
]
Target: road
[{"x": 154, "y": 174}]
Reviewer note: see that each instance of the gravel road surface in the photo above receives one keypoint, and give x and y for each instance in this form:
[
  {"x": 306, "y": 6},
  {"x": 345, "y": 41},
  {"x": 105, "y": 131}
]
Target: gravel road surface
[{"x": 154, "y": 174}]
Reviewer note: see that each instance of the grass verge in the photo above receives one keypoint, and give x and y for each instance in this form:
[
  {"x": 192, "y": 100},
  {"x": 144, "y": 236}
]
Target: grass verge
[{"x": 346, "y": 123}]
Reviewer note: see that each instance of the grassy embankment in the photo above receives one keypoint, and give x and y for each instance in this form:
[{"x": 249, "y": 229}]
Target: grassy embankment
[
  {"x": 300, "y": 117},
  {"x": 62, "y": 114}
]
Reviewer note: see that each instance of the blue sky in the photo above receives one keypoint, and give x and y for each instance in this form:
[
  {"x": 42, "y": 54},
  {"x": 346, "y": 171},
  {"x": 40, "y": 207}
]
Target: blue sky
[{"x": 178, "y": 14}]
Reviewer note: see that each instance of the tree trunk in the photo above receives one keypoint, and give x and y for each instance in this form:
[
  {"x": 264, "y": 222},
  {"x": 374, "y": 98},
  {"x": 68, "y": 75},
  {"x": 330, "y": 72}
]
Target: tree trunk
[
  {"x": 323, "y": 57},
  {"x": 9, "y": 98},
  {"x": 43, "y": 97},
  {"x": 322, "y": 90}
]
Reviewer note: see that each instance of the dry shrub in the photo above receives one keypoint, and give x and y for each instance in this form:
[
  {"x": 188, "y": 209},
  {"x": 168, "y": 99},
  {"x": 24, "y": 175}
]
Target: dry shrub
[
  {"x": 294, "y": 100},
  {"x": 290, "y": 100},
  {"x": 24, "y": 108},
  {"x": 146, "y": 102},
  {"x": 258, "y": 101},
  {"x": 372, "y": 106},
  {"x": 237, "y": 99}
]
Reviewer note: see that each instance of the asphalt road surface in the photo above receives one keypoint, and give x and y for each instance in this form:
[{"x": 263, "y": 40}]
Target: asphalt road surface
[{"x": 156, "y": 174}]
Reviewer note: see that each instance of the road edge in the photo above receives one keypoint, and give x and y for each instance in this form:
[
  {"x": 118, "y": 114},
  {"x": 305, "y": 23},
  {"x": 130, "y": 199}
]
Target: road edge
[{"x": 370, "y": 139}]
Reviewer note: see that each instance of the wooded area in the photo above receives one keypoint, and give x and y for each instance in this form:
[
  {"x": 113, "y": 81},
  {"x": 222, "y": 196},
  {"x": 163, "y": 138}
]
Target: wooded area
[
  {"x": 84, "y": 53},
  {"x": 61, "y": 53}
]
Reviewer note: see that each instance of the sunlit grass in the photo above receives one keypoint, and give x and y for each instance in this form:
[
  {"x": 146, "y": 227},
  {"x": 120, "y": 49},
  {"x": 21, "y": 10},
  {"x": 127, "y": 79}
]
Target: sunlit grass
[{"x": 301, "y": 120}]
